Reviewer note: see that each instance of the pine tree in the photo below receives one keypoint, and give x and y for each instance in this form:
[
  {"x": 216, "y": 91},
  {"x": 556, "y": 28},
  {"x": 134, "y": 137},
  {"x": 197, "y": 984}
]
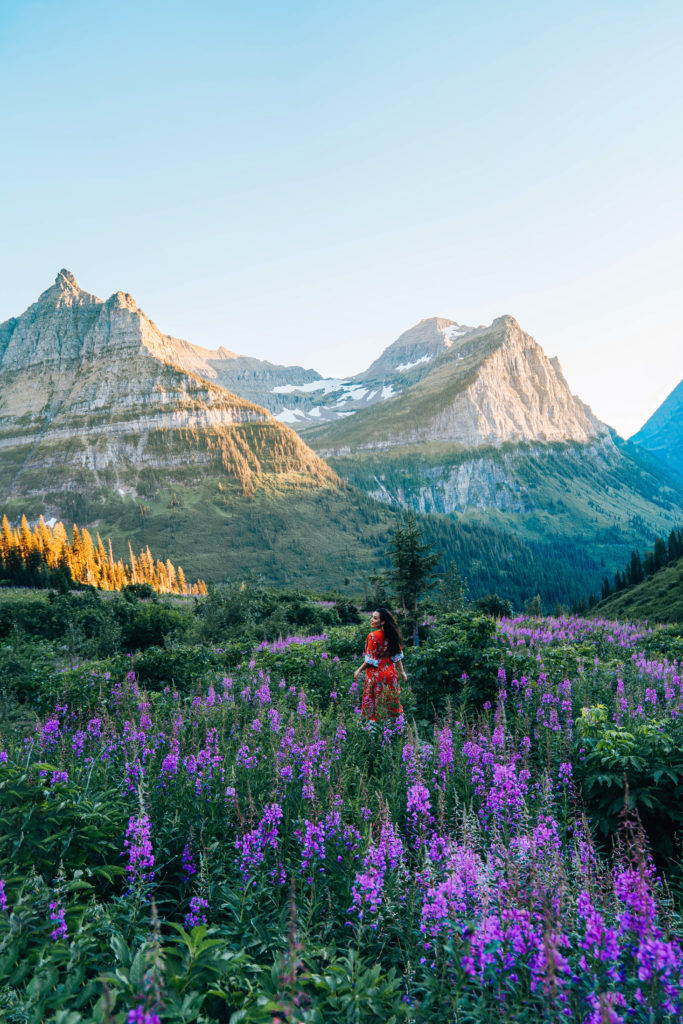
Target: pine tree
[
  {"x": 636, "y": 568},
  {"x": 660, "y": 553},
  {"x": 413, "y": 567}
]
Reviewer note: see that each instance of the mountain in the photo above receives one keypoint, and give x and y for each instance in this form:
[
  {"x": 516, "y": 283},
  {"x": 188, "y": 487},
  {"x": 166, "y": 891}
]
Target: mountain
[
  {"x": 109, "y": 422},
  {"x": 303, "y": 398},
  {"x": 90, "y": 386},
  {"x": 490, "y": 426},
  {"x": 495, "y": 385},
  {"x": 103, "y": 423},
  {"x": 663, "y": 433},
  {"x": 416, "y": 347}
]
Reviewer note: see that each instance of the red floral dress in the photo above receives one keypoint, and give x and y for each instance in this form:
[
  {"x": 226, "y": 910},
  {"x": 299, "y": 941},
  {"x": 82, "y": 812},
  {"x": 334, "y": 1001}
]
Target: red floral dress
[{"x": 380, "y": 692}]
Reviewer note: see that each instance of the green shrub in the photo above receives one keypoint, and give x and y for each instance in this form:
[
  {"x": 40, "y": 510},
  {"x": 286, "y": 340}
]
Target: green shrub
[{"x": 464, "y": 645}]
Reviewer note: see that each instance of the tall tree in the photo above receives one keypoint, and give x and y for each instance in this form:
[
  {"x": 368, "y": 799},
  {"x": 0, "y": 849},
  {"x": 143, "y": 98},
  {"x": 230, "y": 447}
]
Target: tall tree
[
  {"x": 413, "y": 563},
  {"x": 660, "y": 553}
]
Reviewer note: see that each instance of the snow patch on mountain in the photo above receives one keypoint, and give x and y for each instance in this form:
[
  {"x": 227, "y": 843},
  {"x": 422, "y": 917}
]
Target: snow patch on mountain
[
  {"x": 402, "y": 367},
  {"x": 326, "y": 385}
]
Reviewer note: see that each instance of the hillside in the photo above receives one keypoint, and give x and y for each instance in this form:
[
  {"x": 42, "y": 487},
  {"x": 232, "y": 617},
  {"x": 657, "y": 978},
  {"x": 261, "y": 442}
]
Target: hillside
[
  {"x": 108, "y": 422},
  {"x": 657, "y": 599},
  {"x": 662, "y": 434}
]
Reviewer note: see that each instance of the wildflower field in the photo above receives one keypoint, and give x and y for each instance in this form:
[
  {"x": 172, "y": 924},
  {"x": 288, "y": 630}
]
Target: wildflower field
[{"x": 216, "y": 834}]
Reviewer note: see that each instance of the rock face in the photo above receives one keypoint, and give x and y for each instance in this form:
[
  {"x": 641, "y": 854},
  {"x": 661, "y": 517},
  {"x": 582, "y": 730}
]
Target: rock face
[
  {"x": 492, "y": 385},
  {"x": 663, "y": 433},
  {"x": 303, "y": 398},
  {"x": 518, "y": 395},
  {"x": 488, "y": 423},
  {"x": 92, "y": 395},
  {"x": 416, "y": 347}
]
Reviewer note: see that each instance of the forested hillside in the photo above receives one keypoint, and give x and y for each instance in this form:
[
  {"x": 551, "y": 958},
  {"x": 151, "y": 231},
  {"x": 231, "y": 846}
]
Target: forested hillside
[{"x": 44, "y": 557}]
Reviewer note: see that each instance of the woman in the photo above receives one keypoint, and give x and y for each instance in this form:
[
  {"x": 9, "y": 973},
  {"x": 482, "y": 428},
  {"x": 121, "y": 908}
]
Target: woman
[{"x": 383, "y": 661}]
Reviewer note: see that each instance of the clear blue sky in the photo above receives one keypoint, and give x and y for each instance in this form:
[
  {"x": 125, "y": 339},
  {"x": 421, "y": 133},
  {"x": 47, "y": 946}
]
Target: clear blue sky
[{"x": 303, "y": 181}]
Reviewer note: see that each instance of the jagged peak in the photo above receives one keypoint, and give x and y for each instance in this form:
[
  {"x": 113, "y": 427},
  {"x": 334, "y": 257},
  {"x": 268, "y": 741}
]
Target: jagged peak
[
  {"x": 506, "y": 320},
  {"x": 65, "y": 291},
  {"x": 65, "y": 279},
  {"x": 123, "y": 300}
]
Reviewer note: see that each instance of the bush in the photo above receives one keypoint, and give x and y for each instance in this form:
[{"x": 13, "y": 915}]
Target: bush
[
  {"x": 496, "y": 607},
  {"x": 459, "y": 663}
]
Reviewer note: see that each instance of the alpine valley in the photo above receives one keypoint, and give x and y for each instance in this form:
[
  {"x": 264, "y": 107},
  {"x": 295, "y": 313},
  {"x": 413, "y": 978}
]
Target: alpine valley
[{"x": 110, "y": 423}]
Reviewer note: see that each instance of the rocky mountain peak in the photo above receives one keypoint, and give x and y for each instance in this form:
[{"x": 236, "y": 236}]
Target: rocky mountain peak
[
  {"x": 64, "y": 292},
  {"x": 416, "y": 346},
  {"x": 494, "y": 385},
  {"x": 93, "y": 391},
  {"x": 66, "y": 280},
  {"x": 123, "y": 300}
]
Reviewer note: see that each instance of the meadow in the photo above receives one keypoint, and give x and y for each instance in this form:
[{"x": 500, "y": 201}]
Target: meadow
[{"x": 210, "y": 831}]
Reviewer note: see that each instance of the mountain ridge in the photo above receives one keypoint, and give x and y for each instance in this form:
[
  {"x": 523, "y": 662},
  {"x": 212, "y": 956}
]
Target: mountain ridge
[
  {"x": 662, "y": 433},
  {"x": 107, "y": 421},
  {"x": 496, "y": 385},
  {"x": 62, "y": 416}
]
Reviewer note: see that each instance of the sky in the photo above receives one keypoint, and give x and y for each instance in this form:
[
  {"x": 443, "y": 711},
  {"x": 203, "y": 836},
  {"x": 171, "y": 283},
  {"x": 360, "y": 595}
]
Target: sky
[{"x": 303, "y": 181}]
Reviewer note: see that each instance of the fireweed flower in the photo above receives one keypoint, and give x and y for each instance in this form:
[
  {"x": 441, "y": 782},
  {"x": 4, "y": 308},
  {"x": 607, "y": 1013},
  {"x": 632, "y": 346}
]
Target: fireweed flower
[
  {"x": 50, "y": 732},
  {"x": 3, "y": 896},
  {"x": 196, "y": 914},
  {"x": 142, "y": 1016},
  {"x": 312, "y": 841},
  {"x": 138, "y": 843},
  {"x": 254, "y": 845},
  {"x": 57, "y": 914},
  {"x": 77, "y": 742},
  {"x": 188, "y": 864},
  {"x": 419, "y": 805},
  {"x": 369, "y": 884}
]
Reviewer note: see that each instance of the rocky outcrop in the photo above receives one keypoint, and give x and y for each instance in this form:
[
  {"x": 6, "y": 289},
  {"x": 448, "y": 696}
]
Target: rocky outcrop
[
  {"x": 416, "y": 347},
  {"x": 481, "y": 483},
  {"x": 93, "y": 385},
  {"x": 518, "y": 395},
  {"x": 495, "y": 385}
]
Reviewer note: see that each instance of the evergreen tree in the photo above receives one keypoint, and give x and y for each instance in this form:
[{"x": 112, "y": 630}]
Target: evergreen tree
[
  {"x": 413, "y": 567},
  {"x": 453, "y": 590},
  {"x": 42, "y": 557},
  {"x": 636, "y": 568},
  {"x": 660, "y": 553}
]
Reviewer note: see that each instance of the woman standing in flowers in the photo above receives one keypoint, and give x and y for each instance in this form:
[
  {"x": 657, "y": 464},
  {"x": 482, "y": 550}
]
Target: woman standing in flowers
[{"x": 382, "y": 662}]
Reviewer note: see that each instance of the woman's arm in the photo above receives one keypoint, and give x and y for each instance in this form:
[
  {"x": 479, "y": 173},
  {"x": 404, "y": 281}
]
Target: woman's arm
[
  {"x": 370, "y": 656},
  {"x": 398, "y": 662}
]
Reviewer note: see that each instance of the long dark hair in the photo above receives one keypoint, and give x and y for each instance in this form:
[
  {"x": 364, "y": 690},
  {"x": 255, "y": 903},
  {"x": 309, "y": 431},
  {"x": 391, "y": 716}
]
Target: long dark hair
[{"x": 392, "y": 634}]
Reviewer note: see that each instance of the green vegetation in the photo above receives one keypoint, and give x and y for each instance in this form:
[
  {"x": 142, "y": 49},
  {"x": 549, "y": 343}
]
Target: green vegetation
[
  {"x": 567, "y": 514},
  {"x": 43, "y": 557},
  {"x": 657, "y": 599},
  {"x": 208, "y": 831},
  {"x": 413, "y": 564}
]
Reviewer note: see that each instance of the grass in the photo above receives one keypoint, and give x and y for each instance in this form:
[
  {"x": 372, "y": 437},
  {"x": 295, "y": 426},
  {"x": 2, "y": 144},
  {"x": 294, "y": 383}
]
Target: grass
[{"x": 657, "y": 599}]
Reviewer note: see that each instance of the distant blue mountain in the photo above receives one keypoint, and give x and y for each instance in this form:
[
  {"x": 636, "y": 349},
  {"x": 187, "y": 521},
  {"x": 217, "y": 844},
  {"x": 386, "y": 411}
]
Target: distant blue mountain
[{"x": 663, "y": 433}]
